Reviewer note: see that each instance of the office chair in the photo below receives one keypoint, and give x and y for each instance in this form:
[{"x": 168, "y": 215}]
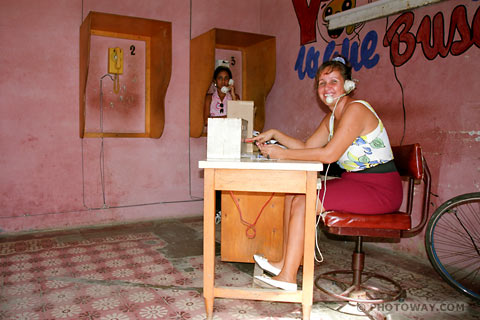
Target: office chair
[{"x": 359, "y": 286}]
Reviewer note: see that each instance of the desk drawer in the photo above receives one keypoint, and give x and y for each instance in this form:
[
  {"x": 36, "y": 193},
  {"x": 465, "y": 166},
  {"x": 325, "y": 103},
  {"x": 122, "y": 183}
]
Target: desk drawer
[{"x": 285, "y": 181}]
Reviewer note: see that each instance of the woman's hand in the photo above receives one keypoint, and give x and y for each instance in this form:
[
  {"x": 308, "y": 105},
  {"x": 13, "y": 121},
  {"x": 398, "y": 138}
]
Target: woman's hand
[
  {"x": 232, "y": 92},
  {"x": 231, "y": 88},
  {"x": 271, "y": 151},
  {"x": 264, "y": 136}
]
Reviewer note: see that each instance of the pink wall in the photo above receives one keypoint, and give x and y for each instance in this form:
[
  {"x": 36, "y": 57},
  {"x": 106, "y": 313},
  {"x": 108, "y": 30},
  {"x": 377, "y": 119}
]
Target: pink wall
[
  {"x": 441, "y": 100},
  {"x": 43, "y": 185}
]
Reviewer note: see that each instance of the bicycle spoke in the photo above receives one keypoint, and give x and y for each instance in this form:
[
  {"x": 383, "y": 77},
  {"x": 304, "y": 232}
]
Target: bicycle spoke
[
  {"x": 472, "y": 222},
  {"x": 453, "y": 243}
]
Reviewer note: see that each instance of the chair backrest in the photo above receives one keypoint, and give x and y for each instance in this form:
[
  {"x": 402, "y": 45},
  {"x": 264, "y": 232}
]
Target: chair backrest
[
  {"x": 412, "y": 165},
  {"x": 409, "y": 161}
]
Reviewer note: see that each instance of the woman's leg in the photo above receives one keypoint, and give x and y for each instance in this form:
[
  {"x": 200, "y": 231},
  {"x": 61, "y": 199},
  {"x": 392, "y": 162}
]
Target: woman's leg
[
  {"x": 295, "y": 238},
  {"x": 286, "y": 220}
]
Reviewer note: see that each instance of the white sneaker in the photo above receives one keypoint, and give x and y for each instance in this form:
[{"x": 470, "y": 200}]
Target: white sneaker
[
  {"x": 265, "y": 265},
  {"x": 287, "y": 286},
  {"x": 218, "y": 217}
]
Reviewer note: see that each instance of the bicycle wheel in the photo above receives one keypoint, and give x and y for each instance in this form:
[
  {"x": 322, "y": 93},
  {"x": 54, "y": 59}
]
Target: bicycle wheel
[{"x": 452, "y": 241}]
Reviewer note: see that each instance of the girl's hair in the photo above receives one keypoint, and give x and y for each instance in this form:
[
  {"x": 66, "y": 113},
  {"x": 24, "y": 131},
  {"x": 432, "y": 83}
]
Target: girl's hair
[
  {"x": 220, "y": 69},
  {"x": 338, "y": 63}
]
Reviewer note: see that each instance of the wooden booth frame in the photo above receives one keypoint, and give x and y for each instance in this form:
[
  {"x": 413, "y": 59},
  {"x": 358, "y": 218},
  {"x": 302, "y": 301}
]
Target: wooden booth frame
[
  {"x": 258, "y": 71},
  {"x": 158, "y": 65}
]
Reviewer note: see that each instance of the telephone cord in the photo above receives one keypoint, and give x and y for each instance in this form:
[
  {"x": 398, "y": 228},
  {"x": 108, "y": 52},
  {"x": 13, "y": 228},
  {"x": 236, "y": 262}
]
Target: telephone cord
[
  {"x": 116, "y": 83},
  {"x": 322, "y": 215}
]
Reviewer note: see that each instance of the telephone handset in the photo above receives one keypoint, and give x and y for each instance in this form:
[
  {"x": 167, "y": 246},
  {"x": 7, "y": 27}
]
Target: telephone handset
[
  {"x": 227, "y": 89},
  {"x": 115, "y": 65},
  {"x": 115, "y": 60},
  {"x": 116, "y": 56}
]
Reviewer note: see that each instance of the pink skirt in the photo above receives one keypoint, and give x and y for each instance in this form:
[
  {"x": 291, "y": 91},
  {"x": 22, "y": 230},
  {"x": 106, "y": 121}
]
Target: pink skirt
[{"x": 363, "y": 193}]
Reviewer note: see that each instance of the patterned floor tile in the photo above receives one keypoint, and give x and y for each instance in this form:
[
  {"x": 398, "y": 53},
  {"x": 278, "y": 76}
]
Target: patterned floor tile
[{"x": 137, "y": 272}]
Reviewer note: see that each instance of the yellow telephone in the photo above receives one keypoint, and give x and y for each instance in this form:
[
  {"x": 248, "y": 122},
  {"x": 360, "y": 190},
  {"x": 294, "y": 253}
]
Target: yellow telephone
[
  {"x": 115, "y": 60},
  {"x": 115, "y": 65}
]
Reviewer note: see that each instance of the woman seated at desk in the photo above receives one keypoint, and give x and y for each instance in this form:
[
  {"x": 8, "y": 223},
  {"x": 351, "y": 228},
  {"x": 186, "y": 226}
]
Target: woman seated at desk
[
  {"x": 352, "y": 135},
  {"x": 216, "y": 102}
]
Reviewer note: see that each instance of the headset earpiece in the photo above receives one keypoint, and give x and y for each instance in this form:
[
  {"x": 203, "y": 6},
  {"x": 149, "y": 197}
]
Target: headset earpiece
[{"x": 349, "y": 86}]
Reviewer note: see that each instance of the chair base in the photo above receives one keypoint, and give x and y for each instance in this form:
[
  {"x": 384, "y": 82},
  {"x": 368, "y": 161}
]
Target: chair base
[{"x": 373, "y": 288}]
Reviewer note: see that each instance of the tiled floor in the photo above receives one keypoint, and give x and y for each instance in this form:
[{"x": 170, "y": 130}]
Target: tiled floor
[{"x": 153, "y": 270}]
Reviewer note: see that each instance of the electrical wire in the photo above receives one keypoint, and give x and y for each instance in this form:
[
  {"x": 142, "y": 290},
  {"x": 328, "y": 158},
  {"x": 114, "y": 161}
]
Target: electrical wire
[
  {"x": 102, "y": 166},
  {"x": 102, "y": 152},
  {"x": 403, "y": 105},
  {"x": 94, "y": 209},
  {"x": 403, "y": 94}
]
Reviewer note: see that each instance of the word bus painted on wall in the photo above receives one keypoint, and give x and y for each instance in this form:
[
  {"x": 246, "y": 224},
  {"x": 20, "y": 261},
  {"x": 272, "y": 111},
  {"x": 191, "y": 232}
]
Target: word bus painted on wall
[{"x": 403, "y": 43}]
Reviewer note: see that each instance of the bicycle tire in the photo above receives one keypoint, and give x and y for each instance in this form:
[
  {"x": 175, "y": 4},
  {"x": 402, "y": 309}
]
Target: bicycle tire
[{"x": 452, "y": 242}]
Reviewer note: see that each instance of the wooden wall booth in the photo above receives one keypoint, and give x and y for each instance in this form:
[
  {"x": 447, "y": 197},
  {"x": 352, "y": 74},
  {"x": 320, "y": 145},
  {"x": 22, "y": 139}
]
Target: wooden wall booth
[
  {"x": 258, "y": 70},
  {"x": 158, "y": 65}
]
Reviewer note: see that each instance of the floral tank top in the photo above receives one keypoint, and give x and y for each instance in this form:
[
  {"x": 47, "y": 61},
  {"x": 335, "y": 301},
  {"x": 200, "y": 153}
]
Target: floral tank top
[{"x": 366, "y": 151}]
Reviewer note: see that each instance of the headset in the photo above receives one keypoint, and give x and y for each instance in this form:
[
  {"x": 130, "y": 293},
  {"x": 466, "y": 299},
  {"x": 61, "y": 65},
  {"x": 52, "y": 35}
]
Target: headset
[{"x": 348, "y": 86}]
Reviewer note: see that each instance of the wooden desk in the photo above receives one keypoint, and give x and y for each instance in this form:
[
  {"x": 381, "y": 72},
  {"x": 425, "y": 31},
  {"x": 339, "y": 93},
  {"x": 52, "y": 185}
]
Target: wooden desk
[{"x": 259, "y": 176}]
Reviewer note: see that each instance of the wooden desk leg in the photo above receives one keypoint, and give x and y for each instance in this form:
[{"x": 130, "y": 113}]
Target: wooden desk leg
[
  {"x": 209, "y": 241},
  {"x": 309, "y": 245},
  {"x": 306, "y": 311}
]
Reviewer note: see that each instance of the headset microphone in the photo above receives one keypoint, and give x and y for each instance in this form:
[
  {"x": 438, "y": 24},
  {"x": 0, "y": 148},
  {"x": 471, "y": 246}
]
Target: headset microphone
[{"x": 329, "y": 99}]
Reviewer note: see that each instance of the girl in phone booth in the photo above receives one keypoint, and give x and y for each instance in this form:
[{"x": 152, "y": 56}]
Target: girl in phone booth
[{"x": 216, "y": 102}]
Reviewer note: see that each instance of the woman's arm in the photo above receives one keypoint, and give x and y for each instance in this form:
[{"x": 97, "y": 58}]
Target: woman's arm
[
  {"x": 356, "y": 120},
  {"x": 318, "y": 139},
  {"x": 233, "y": 94},
  {"x": 281, "y": 137}
]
